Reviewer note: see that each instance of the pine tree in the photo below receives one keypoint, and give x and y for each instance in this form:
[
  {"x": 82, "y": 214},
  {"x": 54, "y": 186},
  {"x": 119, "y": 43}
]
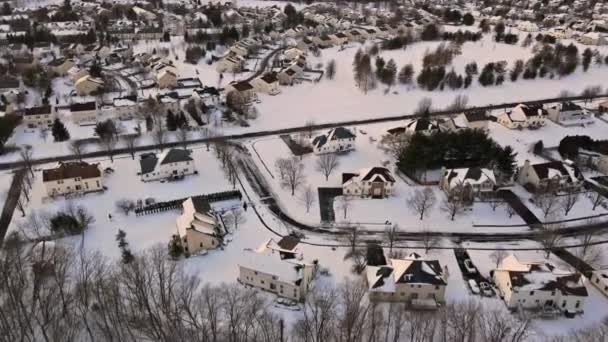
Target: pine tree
[
  {"x": 406, "y": 74},
  {"x": 171, "y": 121},
  {"x": 587, "y": 55},
  {"x": 388, "y": 73},
  {"x": 380, "y": 63},
  {"x": 60, "y": 133}
]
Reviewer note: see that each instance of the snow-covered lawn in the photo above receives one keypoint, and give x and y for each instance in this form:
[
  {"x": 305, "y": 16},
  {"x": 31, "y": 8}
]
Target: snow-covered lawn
[{"x": 142, "y": 231}]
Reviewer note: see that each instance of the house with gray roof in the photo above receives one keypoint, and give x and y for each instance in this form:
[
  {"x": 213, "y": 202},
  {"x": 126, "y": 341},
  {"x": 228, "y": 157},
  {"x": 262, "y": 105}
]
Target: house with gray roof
[
  {"x": 171, "y": 164},
  {"x": 337, "y": 139}
]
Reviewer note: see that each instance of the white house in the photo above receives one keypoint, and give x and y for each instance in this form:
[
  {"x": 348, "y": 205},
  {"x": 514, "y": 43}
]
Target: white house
[
  {"x": 88, "y": 85},
  {"x": 376, "y": 182},
  {"x": 198, "y": 226},
  {"x": 84, "y": 113},
  {"x": 72, "y": 177},
  {"x": 527, "y": 26},
  {"x": 523, "y": 116},
  {"x": 549, "y": 176},
  {"x": 539, "y": 285},
  {"x": 230, "y": 63},
  {"x": 38, "y": 117},
  {"x": 277, "y": 267},
  {"x": 414, "y": 280},
  {"x": 267, "y": 83},
  {"x": 467, "y": 183},
  {"x": 171, "y": 163},
  {"x": 592, "y": 38},
  {"x": 570, "y": 114},
  {"x": 599, "y": 279},
  {"x": 337, "y": 139}
]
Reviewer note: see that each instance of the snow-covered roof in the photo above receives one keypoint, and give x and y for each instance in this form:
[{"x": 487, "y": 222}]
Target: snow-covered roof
[
  {"x": 197, "y": 215},
  {"x": 411, "y": 270},
  {"x": 267, "y": 260},
  {"x": 469, "y": 176},
  {"x": 373, "y": 174}
]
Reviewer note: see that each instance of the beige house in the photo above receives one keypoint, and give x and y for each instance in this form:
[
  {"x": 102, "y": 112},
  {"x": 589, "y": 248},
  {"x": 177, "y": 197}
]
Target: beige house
[
  {"x": 287, "y": 76},
  {"x": 376, "y": 182},
  {"x": 602, "y": 164},
  {"x": 84, "y": 113},
  {"x": 166, "y": 78},
  {"x": 198, "y": 226},
  {"x": 539, "y": 285},
  {"x": 267, "y": 84},
  {"x": 75, "y": 73},
  {"x": 523, "y": 116},
  {"x": 277, "y": 267},
  {"x": 550, "y": 176},
  {"x": 414, "y": 280},
  {"x": 61, "y": 66},
  {"x": 467, "y": 184},
  {"x": 72, "y": 177},
  {"x": 88, "y": 85},
  {"x": 243, "y": 88},
  {"x": 41, "y": 117}
]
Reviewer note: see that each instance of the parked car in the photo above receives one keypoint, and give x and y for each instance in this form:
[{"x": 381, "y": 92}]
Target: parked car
[
  {"x": 468, "y": 265},
  {"x": 486, "y": 289},
  {"x": 473, "y": 286}
]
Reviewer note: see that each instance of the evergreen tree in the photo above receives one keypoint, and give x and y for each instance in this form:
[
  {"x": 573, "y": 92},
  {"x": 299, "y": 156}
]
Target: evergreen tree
[
  {"x": 60, "y": 133},
  {"x": 379, "y": 66},
  {"x": 406, "y": 74},
  {"x": 175, "y": 247},
  {"x": 587, "y": 55},
  {"x": 387, "y": 76},
  {"x": 171, "y": 121},
  {"x": 505, "y": 162},
  {"x": 468, "y": 19}
]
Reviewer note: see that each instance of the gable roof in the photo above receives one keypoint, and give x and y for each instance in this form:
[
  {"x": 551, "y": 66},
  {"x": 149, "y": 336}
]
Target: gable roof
[
  {"x": 551, "y": 169},
  {"x": 37, "y": 110},
  {"x": 374, "y": 174},
  {"x": 79, "y": 107},
  {"x": 147, "y": 162},
  {"x": 175, "y": 155},
  {"x": 69, "y": 170}
]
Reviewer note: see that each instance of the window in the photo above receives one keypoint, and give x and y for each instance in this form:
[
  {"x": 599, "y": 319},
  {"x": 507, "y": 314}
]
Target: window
[
  {"x": 273, "y": 286},
  {"x": 578, "y": 304},
  {"x": 531, "y": 293},
  {"x": 436, "y": 287},
  {"x": 256, "y": 273},
  {"x": 201, "y": 245},
  {"x": 261, "y": 281},
  {"x": 98, "y": 184},
  {"x": 563, "y": 304}
]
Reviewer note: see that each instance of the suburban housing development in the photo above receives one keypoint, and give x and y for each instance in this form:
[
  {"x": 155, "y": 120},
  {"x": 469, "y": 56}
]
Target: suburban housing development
[{"x": 304, "y": 171}]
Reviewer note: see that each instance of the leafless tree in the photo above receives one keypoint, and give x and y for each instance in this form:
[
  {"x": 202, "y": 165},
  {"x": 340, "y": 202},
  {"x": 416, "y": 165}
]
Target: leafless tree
[
  {"x": 391, "y": 234},
  {"x": 125, "y": 205},
  {"x": 460, "y": 103},
  {"x": 494, "y": 204},
  {"x": 26, "y": 154},
  {"x": 498, "y": 255},
  {"x": 43, "y": 133},
  {"x": 77, "y": 147},
  {"x": 159, "y": 136},
  {"x": 453, "y": 207},
  {"x": 318, "y": 316},
  {"x": 424, "y": 106},
  {"x": 308, "y": 198},
  {"x": 359, "y": 260},
  {"x": 394, "y": 144},
  {"x": 294, "y": 176},
  {"x": 422, "y": 201},
  {"x": 183, "y": 135},
  {"x": 550, "y": 237},
  {"x": 131, "y": 141},
  {"x": 589, "y": 252},
  {"x": 429, "y": 240},
  {"x": 344, "y": 204},
  {"x": 547, "y": 202},
  {"x": 327, "y": 163},
  {"x": 596, "y": 199},
  {"x": 510, "y": 210},
  {"x": 21, "y": 204},
  {"x": 309, "y": 128},
  {"x": 569, "y": 200},
  {"x": 108, "y": 143},
  {"x": 352, "y": 238},
  {"x": 280, "y": 166},
  {"x": 237, "y": 216}
]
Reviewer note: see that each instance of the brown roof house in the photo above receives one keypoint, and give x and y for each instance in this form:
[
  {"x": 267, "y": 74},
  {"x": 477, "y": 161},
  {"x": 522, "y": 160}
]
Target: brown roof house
[
  {"x": 72, "y": 177},
  {"x": 38, "y": 116},
  {"x": 268, "y": 84}
]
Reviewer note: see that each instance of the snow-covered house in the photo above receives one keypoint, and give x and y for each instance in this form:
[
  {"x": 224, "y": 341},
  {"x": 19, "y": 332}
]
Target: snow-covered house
[
  {"x": 468, "y": 183},
  {"x": 593, "y": 38},
  {"x": 293, "y": 53},
  {"x": 422, "y": 126},
  {"x": 171, "y": 163},
  {"x": 243, "y": 88},
  {"x": 9, "y": 84},
  {"x": 88, "y": 85},
  {"x": 527, "y": 26},
  {"x": 288, "y": 76},
  {"x": 230, "y": 63},
  {"x": 277, "y": 267},
  {"x": 41, "y": 116},
  {"x": 570, "y": 114},
  {"x": 84, "y": 112},
  {"x": 523, "y": 116},
  {"x": 61, "y": 66},
  {"x": 72, "y": 177},
  {"x": 599, "y": 279},
  {"x": 539, "y": 285},
  {"x": 549, "y": 176},
  {"x": 166, "y": 78},
  {"x": 337, "y": 139},
  {"x": 198, "y": 226},
  {"x": 267, "y": 83},
  {"x": 475, "y": 119},
  {"x": 414, "y": 280},
  {"x": 376, "y": 182}
]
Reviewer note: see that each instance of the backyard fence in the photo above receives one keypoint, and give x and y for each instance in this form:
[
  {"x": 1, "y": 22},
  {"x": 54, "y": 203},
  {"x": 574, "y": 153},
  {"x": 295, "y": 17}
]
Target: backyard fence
[{"x": 176, "y": 203}]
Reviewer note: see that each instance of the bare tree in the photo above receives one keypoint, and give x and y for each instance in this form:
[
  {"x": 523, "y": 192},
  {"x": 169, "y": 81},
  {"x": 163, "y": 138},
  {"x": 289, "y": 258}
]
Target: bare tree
[
  {"x": 308, "y": 198},
  {"x": 510, "y": 210},
  {"x": 569, "y": 200},
  {"x": 26, "y": 154},
  {"x": 589, "y": 251},
  {"x": 460, "y": 103},
  {"x": 280, "y": 166},
  {"x": 237, "y": 216},
  {"x": 294, "y": 174},
  {"x": 498, "y": 255},
  {"x": 125, "y": 205},
  {"x": 394, "y": 144},
  {"x": 596, "y": 199},
  {"x": 108, "y": 143},
  {"x": 428, "y": 240},
  {"x": 424, "y": 106},
  {"x": 494, "y": 204},
  {"x": 183, "y": 135},
  {"x": 344, "y": 204},
  {"x": 352, "y": 238},
  {"x": 309, "y": 128},
  {"x": 422, "y": 201},
  {"x": 550, "y": 237},
  {"x": 391, "y": 234},
  {"x": 327, "y": 163},
  {"x": 453, "y": 207},
  {"x": 77, "y": 147},
  {"x": 547, "y": 202},
  {"x": 330, "y": 69},
  {"x": 131, "y": 141},
  {"x": 21, "y": 204}
]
